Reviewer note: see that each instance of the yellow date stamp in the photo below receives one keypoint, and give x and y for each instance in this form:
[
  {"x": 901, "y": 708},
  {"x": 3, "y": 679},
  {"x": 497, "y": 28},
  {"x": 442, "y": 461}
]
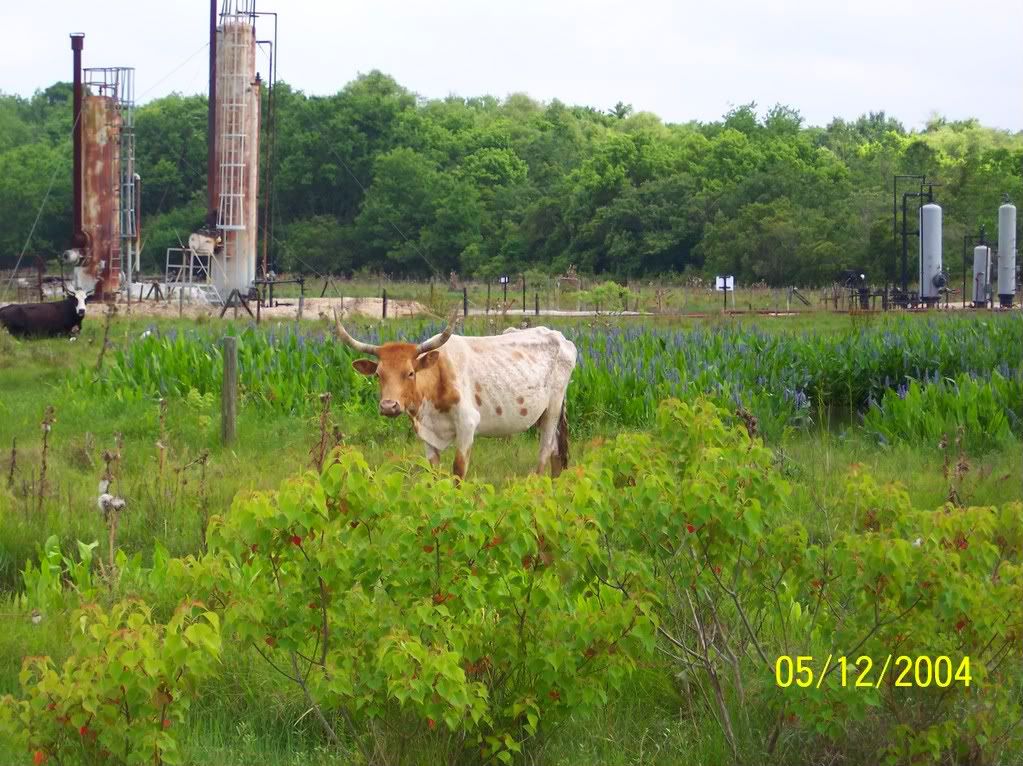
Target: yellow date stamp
[{"x": 864, "y": 673}]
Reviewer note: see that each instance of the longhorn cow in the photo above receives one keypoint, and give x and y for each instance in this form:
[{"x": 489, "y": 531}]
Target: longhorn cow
[
  {"x": 454, "y": 388},
  {"x": 55, "y": 318}
]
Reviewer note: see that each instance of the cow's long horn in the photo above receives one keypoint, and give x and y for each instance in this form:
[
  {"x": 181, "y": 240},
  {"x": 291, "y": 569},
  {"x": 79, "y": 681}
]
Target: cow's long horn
[
  {"x": 358, "y": 345},
  {"x": 440, "y": 340}
]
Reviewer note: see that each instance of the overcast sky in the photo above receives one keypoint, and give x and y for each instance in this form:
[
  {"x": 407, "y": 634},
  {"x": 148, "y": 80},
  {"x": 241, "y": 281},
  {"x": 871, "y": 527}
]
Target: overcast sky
[{"x": 683, "y": 60}]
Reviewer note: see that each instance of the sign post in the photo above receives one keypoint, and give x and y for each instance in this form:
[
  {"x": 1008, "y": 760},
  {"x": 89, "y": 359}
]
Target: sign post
[{"x": 724, "y": 285}]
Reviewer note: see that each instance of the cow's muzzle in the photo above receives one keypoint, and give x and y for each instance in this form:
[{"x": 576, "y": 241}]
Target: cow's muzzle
[
  {"x": 390, "y": 408},
  {"x": 81, "y": 313}
]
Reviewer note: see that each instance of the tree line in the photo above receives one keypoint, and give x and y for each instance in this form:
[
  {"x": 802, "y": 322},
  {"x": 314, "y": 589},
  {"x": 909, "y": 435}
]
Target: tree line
[{"x": 374, "y": 178}]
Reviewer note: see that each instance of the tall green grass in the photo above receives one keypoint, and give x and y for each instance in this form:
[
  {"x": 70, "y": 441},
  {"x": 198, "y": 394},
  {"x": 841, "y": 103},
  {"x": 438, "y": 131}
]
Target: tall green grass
[{"x": 784, "y": 379}]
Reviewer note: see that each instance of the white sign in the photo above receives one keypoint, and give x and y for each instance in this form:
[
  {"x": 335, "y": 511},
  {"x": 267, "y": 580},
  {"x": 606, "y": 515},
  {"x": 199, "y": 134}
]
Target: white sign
[
  {"x": 724, "y": 284},
  {"x": 502, "y": 280}
]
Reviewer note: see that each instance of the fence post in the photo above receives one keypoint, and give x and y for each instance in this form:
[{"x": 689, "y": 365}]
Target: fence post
[
  {"x": 465, "y": 302},
  {"x": 536, "y": 297},
  {"x": 301, "y": 305},
  {"x": 181, "y": 301},
  {"x": 523, "y": 294},
  {"x": 229, "y": 391},
  {"x": 385, "y": 304},
  {"x": 488, "y": 297}
]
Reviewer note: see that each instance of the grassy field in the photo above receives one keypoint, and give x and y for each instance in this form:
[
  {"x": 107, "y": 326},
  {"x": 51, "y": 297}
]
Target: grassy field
[{"x": 174, "y": 474}]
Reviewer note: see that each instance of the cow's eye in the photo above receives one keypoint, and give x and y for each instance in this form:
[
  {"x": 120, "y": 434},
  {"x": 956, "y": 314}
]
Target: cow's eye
[{"x": 412, "y": 374}]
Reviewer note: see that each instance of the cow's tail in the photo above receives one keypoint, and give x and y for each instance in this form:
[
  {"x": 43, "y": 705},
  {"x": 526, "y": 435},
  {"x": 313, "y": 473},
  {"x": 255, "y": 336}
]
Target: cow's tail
[{"x": 563, "y": 436}]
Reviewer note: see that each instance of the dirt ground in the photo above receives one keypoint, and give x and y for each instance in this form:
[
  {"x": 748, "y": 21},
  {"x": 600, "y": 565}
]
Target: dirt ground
[{"x": 286, "y": 308}]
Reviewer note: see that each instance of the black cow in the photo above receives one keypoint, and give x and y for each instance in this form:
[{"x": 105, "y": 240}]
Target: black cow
[{"x": 48, "y": 319}]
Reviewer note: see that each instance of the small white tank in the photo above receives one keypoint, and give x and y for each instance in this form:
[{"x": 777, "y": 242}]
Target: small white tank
[
  {"x": 1006, "y": 254},
  {"x": 981, "y": 274},
  {"x": 932, "y": 278}
]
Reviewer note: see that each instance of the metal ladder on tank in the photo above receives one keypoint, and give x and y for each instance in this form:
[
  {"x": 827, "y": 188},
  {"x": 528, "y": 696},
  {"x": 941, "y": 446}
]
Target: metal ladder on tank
[{"x": 232, "y": 89}]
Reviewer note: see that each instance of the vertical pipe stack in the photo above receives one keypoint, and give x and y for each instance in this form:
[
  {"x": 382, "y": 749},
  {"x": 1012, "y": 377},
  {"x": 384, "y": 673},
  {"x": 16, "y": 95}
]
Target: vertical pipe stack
[
  {"x": 77, "y": 235},
  {"x": 211, "y": 124}
]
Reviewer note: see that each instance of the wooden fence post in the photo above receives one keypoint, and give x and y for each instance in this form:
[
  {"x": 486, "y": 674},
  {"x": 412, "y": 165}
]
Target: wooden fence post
[
  {"x": 385, "y": 304},
  {"x": 229, "y": 391}
]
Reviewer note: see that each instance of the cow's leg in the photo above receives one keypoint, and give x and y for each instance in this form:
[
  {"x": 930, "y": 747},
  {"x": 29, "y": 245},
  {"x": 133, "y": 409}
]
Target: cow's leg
[
  {"x": 465, "y": 432},
  {"x": 545, "y": 426},
  {"x": 549, "y": 423},
  {"x": 433, "y": 455}
]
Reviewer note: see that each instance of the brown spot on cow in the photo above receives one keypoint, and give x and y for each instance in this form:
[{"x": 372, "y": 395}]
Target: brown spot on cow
[
  {"x": 479, "y": 400},
  {"x": 517, "y": 355},
  {"x": 521, "y": 400},
  {"x": 499, "y": 411},
  {"x": 477, "y": 387},
  {"x": 523, "y": 411}
]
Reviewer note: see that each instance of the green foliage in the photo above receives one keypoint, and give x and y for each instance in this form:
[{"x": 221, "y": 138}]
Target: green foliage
[
  {"x": 45, "y": 585},
  {"x": 986, "y": 411},
  {"x": 932, "y": 583},
  {"x": 607, "y": 296},
  {"x": 374, "y": 177},
  {"x": 622, "y": 374},
  {"x": 699, "y": 503},
  {"x": 123, "y": 694},
  {"x": 402, "y": 597}
]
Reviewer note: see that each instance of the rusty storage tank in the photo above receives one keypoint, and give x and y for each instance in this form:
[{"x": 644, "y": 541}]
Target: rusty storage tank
[
  {"x": 237, "y": 146},
  {"x": 102, "y": 100},
  {"x": 101, "y": 173}
]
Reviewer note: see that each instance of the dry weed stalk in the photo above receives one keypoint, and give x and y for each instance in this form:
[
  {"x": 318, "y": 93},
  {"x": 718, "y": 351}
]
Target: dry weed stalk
[
  {"x": 329, "y": 437},
  {"x": 13, "y": 463},
  {"x": 954, "y": 473},
  {"x": 49, "y": 418},
  {"x": 111, "y": 310},
  {"x": 109, "y": 504}
]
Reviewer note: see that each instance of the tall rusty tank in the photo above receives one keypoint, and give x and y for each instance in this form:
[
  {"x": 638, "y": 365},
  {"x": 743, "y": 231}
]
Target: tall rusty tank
[
  {"x": 236, "y": 180},
  {"x": 101, "y": 177}
]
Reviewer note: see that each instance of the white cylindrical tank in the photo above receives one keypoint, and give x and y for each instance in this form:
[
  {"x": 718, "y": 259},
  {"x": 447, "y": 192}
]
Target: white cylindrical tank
[
  {"x": 932, "y": 278},
  {"x": 981, "y": 274},
  {"x": 1006, "y": 254}
]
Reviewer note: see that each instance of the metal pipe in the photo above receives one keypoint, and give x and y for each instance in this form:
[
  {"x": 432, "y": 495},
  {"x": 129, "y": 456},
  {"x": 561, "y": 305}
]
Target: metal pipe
[
  {"x": 271, "y": 136},
  {"x": 77, "y": 233},
  {"x": 266, "y": 163},
  {"x": 211, "y": 124},
  {"x": 138, "y": 223}
]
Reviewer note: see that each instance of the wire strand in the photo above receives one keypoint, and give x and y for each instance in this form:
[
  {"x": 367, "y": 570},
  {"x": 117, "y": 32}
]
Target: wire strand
[
  {"x": 394, "y": 226},
  {"x": 39, "y": 213}
]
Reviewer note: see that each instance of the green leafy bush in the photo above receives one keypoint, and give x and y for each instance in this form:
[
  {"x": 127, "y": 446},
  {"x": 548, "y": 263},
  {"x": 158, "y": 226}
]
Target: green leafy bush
[
  {"x": 122, "y": 695},
  {"x": 399, "y": 597},
  {"x": 917, "y": 583}
]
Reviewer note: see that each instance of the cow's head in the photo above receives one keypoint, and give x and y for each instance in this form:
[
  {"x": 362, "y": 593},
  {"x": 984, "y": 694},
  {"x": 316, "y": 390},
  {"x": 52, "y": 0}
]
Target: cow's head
[
  {"x": 79, "y": 297},
  {"x": 396, "y": 366}
]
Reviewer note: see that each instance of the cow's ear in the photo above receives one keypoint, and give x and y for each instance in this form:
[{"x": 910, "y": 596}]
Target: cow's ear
[
  {"x": 365, "y": 366},
  {"x": 428, "y": 359}
]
